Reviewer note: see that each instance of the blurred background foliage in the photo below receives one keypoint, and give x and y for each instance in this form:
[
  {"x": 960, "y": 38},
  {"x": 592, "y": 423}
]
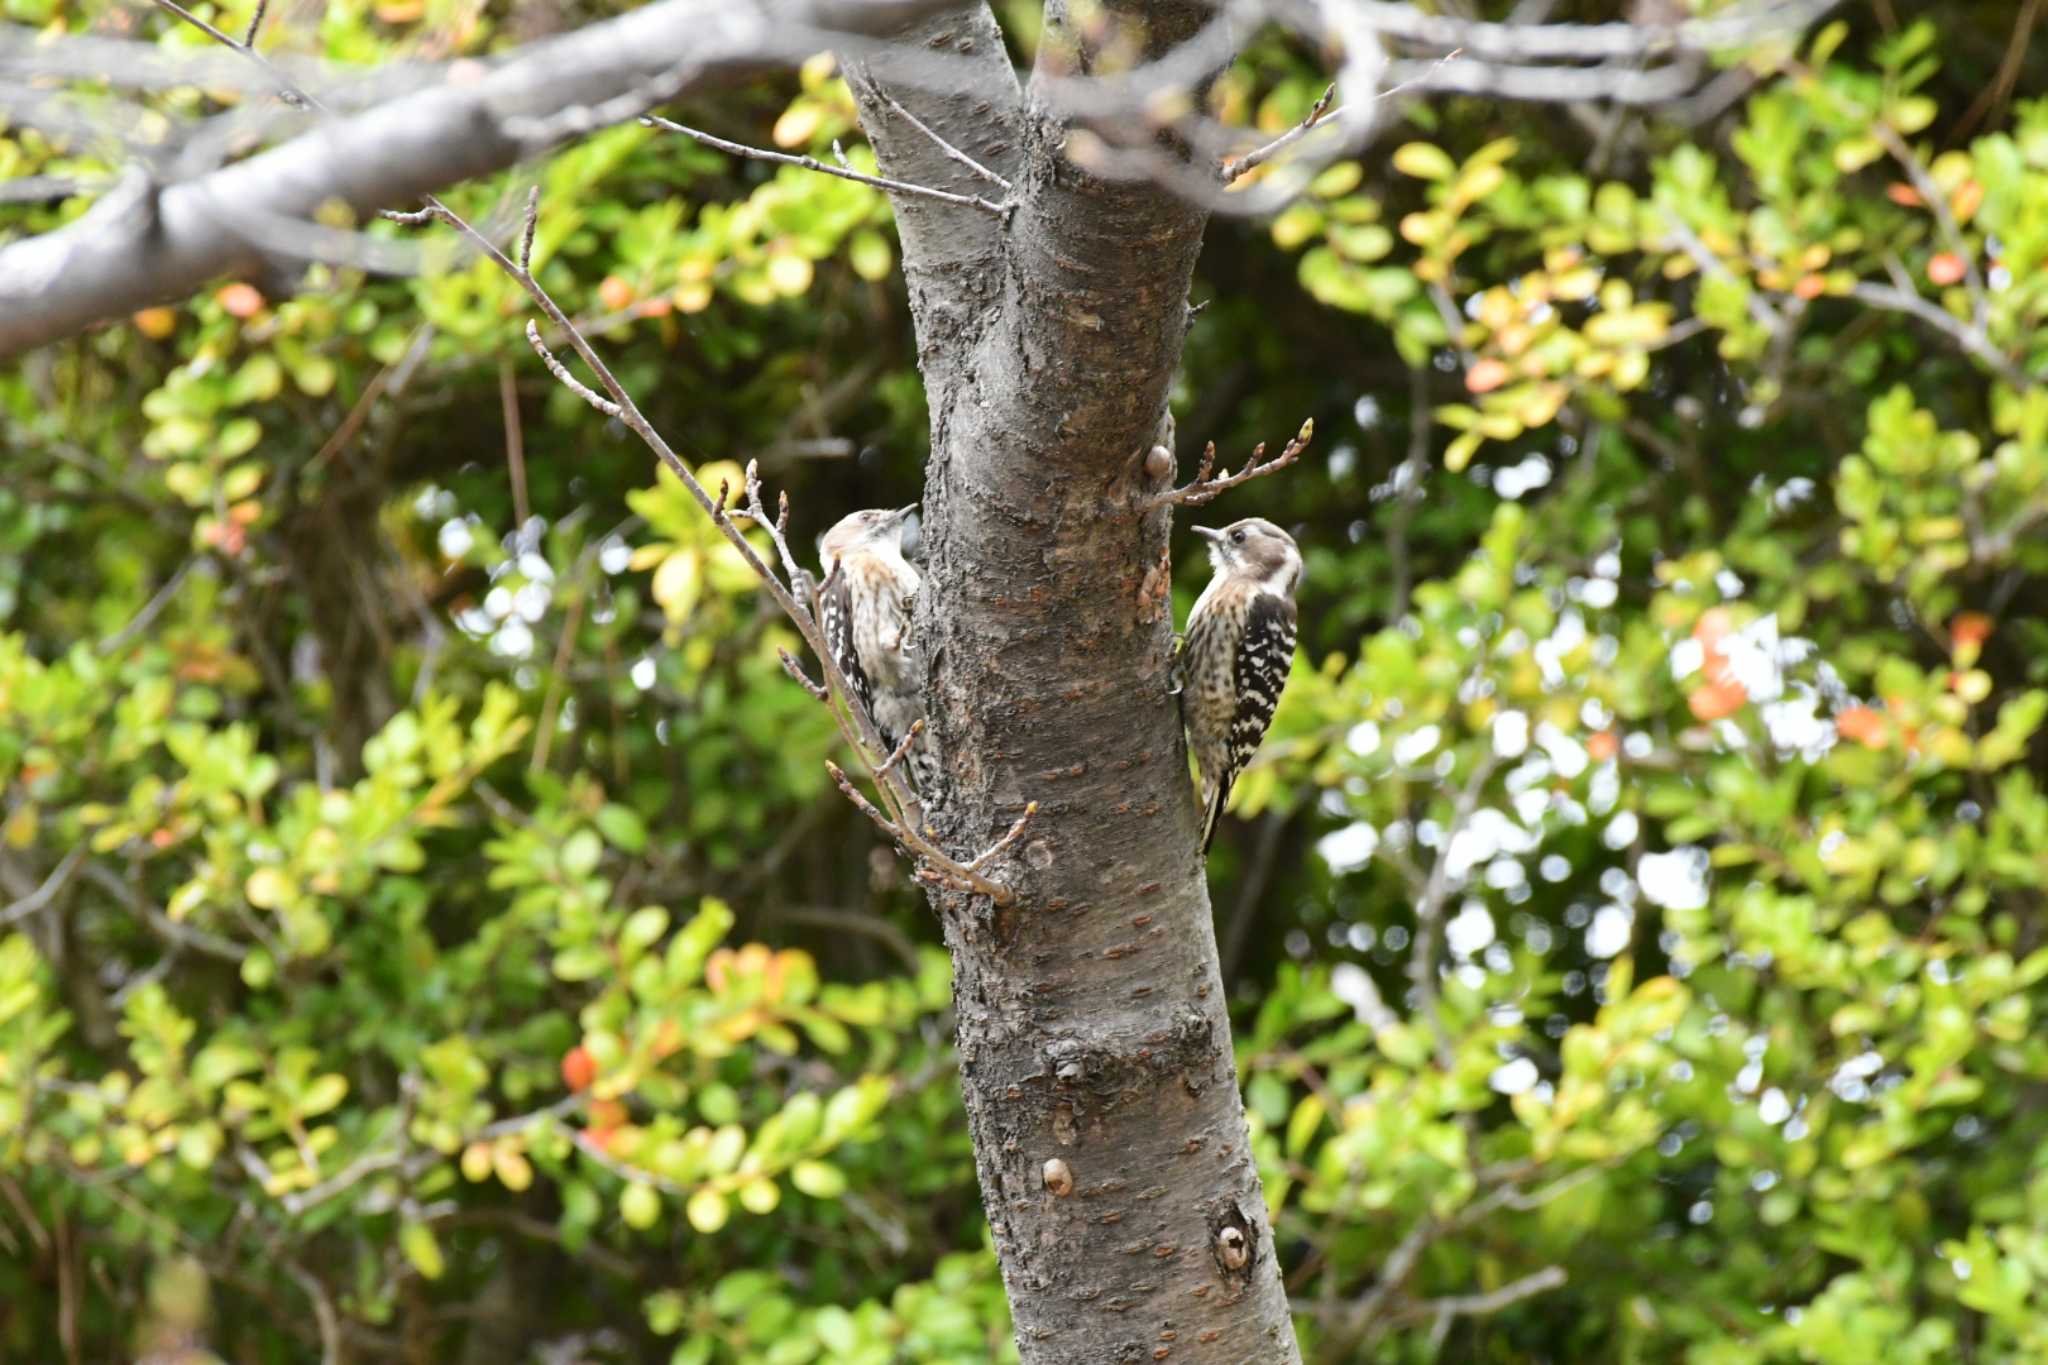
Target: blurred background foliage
[{"x": 427, "y": 933}]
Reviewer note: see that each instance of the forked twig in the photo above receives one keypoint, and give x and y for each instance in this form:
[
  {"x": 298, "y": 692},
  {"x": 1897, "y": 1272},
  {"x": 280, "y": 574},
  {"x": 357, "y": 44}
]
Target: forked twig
[
  {"x": 933, "y": 866},
  {"x": 856, "y": 725},
  {"x": 843, "y": 171},
  {"x": 1206, "y": 489}
]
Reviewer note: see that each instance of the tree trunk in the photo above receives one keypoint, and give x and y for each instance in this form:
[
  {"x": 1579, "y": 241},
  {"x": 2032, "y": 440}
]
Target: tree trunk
[{"x": 1094, "y": 1041}]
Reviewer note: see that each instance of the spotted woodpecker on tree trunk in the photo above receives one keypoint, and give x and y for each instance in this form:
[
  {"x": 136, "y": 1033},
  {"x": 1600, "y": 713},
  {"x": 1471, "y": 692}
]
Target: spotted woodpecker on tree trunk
[
  {"x": 865, "y": 609},
  {"x": 1238, "y": 648}
]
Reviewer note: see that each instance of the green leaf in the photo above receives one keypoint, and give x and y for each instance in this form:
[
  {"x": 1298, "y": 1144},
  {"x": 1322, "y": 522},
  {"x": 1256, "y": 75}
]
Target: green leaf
[
  {"x": 622, "y": 827},
  {"x": 416, "y": 1240},
  {"x": 643, "y": 928},
  {"x": 818, "y": 1179},
  {"x": 1424, "y": 161},
  {"x": 707, "y": 1210},
  {"x": 640, "y": 1205},
  {"x": 580, "y": 853},
  {"x": 322, "y": 1095}
]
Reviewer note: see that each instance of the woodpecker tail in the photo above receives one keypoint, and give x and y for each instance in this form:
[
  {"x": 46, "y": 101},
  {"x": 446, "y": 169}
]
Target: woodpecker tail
[{"x": 1212, "y": 815}]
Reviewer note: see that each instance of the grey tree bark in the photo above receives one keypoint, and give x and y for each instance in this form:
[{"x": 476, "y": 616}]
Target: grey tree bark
[{"x": 1094, "y": 1040}]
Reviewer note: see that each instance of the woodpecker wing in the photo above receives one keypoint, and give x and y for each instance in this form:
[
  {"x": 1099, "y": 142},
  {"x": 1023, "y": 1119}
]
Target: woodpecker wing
[
  {"x": 1265, "y": 652},
  {"x": 835, "y": 618}
]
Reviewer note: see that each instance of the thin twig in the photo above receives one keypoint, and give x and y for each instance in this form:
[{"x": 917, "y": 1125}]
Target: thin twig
[
  {"x": 796, "y": 670},
  {"x": 415, "y": 351},
  {"x": 903, "y": 747},
  {"x": 550, "y": 709},
  {"x": 256, "y": 23},
  {"x": 143, "y": 619},
  {"x": 515, "y": 442},
  {"x": 1010, "y": 837},
  {"x": 1429, "y": 907},
  {"x": 933, "y": 866},
  {"x": 323, "y": 1305},
  {"x": 60, "y": 876},
  {"x": 1232, "y": 171},
  {"x": 1479, "y": 1305},
  {"x": 1937, "y": 204},
  {"x": 1205, "y": 489},
  {"x": 1407, "y": 479},
  {"x": 570, "y": 381},
  {"x": 1710, "y": 264},
  {"x": 286, "y": 90},
  {"x": 1453, "y": 320},
  {"x": 170, "y": 930},
  {"x": 2000, "y": 90},
  {"x": 944, "y": 146},
  {"x": 1971, "y": 339},
  {"x": 853, "y": 922},
  {"x": 777, "y": 527},
  {"x": 811, "y": 163}
]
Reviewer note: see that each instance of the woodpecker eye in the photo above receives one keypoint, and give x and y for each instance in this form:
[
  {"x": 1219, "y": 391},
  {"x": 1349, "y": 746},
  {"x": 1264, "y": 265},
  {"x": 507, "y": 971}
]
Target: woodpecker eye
[{"x": 1237, "y": 537}]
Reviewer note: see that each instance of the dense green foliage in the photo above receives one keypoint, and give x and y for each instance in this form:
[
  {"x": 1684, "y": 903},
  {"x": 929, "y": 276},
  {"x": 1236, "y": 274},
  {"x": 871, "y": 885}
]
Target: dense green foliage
[{"x": 425, "y": 921}]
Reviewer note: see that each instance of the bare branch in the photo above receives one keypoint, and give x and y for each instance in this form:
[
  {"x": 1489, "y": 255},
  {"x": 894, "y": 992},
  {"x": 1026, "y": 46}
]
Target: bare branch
[
  {"x": 323, "y": 1302},
  {"x": 286, "y": 89},
  {"x": 570, "y": 381},
  {"x": 1971, "y": 339},
  {"x": 1479, "y": 1305},
  {"x": 59, "y": 878},
  {"x": 903, "y": 747},
  {"x": 777, "y": 529},
  {"x": 951, "y": 152},
  {"x": 532, "y": 223},
  {"x": 796, "y": 670},
  {"x": 857, "y": 725},
  {"x": 935, "y": 866},
  {"x": 1429, "y": 907},
  {"x": 1231, "y": 171},
  {"x": 811, "y": 163},
  {"x": 1491, "y": 42},
  {"x": 153, "y": 608},
  {"x": 174, "y": 932},
  {"x": 1010, "y": 837},
  {"x": 256, "y": 23},
  {"x": 163, "y": 242},
  {"x": 1710, "y": 264},
  {"x": 1206, "y": 489}
]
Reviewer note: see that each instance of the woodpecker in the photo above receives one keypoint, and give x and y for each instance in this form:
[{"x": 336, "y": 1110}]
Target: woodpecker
[
  {"x": 864, "y": 610},
  {"x": 1236, "y": 653}
]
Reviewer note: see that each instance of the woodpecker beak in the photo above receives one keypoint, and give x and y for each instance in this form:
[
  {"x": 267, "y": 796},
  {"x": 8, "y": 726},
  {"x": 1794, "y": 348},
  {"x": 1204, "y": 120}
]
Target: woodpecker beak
[
  {"x": 903, "y": 512},
  {"x": 1210, "y": 534}
]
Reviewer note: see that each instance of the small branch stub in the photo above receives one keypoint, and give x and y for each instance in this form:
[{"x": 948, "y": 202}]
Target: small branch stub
[
  {"x": 1059, "y": 1178},
  {"x": 1206, "y": 489}
]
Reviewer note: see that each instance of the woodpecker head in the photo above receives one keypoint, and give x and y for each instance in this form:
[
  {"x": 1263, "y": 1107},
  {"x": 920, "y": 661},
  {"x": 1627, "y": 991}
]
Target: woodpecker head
[
  {"x": 878, "y": 530},
  {"x": 1256, "y": 549}
]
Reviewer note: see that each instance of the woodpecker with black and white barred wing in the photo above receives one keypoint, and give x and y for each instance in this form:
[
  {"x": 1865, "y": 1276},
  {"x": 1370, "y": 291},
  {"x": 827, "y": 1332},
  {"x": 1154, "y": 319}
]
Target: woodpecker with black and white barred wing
[
  {"x": 1236, "y": 654},
  {"x": 864, "y": 609}
]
